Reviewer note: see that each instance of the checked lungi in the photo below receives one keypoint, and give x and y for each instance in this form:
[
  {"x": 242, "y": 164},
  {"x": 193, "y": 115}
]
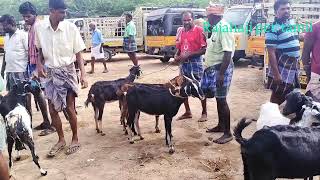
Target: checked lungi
[
  {"x": 15, "y": 78},
  {"x": 59, "y": 82},
  {"x": 129, "y": 44},
  {"x": 289, "y": 71},
  {"x": 209, "y": 81},
  {"x": 193, "y": 66}
]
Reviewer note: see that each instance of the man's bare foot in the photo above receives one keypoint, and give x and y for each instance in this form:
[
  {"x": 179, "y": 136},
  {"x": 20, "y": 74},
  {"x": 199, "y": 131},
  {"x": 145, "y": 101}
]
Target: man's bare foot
[
  {"x": 203, "y": 118},
  {"x": 224, "y": 139},
  {"x": 215, "y": 129},
  {"x": 56, "y": 149},
  {"x": 186, "y": 115},
  {"x": 105, "y": 71}
]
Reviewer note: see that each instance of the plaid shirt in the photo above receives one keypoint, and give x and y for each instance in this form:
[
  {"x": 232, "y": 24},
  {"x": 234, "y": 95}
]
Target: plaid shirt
[{"x": 32, "y": 50}]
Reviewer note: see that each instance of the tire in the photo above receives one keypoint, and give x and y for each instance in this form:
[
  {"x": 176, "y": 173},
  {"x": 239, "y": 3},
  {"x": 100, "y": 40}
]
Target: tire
[
  {"x": 165, "y": 59},
  {"x": 107, "y": 54}
]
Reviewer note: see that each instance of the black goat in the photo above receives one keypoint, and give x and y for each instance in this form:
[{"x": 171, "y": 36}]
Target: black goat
[
  {"x": 160, "y": 100},
  {"x": 294, "y": 103},
  {"x": 279, "y": 152},
  {"x": 106, "y": 91}
]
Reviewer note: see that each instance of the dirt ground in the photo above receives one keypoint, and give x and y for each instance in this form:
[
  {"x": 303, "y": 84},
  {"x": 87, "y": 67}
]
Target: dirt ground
[{"x": 112, "y": 157}]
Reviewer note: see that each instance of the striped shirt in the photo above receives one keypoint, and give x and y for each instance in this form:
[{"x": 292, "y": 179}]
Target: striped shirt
[
  {"x": 32, "y": 49},
  {"x": 283, "y": 37}
]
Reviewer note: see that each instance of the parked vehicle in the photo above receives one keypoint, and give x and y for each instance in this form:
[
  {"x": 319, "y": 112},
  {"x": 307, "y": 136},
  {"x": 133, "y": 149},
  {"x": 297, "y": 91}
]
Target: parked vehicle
[{"x": 162, "y": 25}]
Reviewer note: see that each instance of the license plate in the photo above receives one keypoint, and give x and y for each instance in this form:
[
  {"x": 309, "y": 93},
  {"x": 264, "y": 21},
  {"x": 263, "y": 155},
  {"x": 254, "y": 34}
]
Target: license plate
[{"x": 303, "y": 80}]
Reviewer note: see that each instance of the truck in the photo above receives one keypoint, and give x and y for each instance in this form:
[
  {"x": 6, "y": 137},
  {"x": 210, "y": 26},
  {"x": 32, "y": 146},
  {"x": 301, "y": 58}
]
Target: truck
[{"x": 113, "y": 29}]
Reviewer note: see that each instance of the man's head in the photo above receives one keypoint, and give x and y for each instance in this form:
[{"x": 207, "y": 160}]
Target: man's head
[
  {"x": 128, "y": 17},
  {"x": 92, "y": 26},
  {"x": 8, "y": 23},
  {"x": 214, "y": 13},
  {"x": 58, "y": 9},
  {"x": 282, "y": 9},
  {"x": 187, "y": 19},
  {"x": 28, "y": 12}
]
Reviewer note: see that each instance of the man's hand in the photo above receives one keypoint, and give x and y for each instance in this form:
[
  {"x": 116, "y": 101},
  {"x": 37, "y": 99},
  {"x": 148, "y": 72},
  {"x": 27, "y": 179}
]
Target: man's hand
[
  {"x": 84, "y": 82},
  {"x": 184, "y": 57},
  {"x": 41, "y": 72},
  {"x": 220, "y": 80},
  {"x": 277, "y": 79}
]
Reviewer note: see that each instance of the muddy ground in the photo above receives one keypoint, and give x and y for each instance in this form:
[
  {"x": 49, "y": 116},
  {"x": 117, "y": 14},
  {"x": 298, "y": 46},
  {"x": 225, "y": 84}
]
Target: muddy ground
[{"x": 112, "y": 157}]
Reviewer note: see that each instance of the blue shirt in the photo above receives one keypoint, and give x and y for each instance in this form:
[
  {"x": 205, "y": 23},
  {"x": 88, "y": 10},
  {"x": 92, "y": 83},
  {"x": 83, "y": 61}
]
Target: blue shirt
[
  {"x": 97, "y": 38},
  {"x": 284, "y": 37}
]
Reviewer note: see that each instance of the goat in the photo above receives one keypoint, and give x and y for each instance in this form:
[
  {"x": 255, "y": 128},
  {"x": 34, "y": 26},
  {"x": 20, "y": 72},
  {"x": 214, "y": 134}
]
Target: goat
[
  {"x": 160, "y": 100},
  {"x": 294, "y": 102},
  {"x": 105, "y": 91},
  {"x": 282, "y": 151},
  {"x": 270, "y": 115},
  {"x": 19, "y": 132}
]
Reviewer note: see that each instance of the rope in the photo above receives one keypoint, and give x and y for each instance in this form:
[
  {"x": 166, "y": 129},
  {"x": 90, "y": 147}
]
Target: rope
[{"x": 162, "y": 69}]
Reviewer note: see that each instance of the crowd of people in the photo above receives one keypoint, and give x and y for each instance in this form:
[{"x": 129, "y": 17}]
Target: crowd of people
[{"x": 51, "y": 51}]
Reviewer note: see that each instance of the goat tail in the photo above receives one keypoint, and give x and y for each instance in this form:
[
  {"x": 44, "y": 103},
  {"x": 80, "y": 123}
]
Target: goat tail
[
  {"x": 89, "y": 100},
  {"x": 237, "y": 132}
]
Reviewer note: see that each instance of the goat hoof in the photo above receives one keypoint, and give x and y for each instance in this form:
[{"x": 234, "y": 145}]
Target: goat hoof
[
  {"x": 126, "y": 133},
  {"x": 171, "y": 150},
  {"x": 44, "y": 173},
  {"x": 18, "y": 158},
  {"x": 131, "y": 142},
  {"x": 103, "y": 134},
  {"x": 157, "y": 131},
  {"x": 141, "y": 138}
]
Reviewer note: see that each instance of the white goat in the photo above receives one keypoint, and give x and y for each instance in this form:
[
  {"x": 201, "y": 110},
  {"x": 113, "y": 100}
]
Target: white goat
[
  {"x": 270, "y": 115},
  {"x": 310, "y": 116},
  {"x": 19, "y": 132}
]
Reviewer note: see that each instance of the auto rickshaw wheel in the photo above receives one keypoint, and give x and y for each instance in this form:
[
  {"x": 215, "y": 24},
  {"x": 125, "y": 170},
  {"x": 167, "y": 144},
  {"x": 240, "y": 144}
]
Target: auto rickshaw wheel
[
  {"x": 107, "y": 54},
  {"x": 165, "y": 59}
]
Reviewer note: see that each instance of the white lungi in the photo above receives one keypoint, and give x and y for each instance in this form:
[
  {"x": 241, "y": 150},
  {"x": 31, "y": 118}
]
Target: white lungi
[{"x": 95, "y": 52}]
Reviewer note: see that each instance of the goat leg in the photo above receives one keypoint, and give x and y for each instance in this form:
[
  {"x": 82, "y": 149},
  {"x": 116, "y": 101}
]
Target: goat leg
[
  {"x": 100, "y": 120},
  {"x": 168, "y": 122},
  {"x": 10, "y": 142},
  {"x": 137, "y": 124},
  {"x": 157, "y": 125},
  {"x": 130, "y": 123},
  {"x": 35, "y": 158},
  {"x": 96, "y": 114}
]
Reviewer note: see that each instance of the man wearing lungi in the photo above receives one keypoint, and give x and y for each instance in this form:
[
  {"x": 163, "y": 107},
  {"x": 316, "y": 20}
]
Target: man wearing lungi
[
  {"x": 219, "y": 69},
  {"x": 283, "y": 50},
  {"x": 60, "y": 44},
  {"x": 29, "y": 14},
  {"x": 97, "y": 47},
  {"x": 16, "y": 55},
  {"x": 129, "y": 40},
  {"x": 191, "y": 45},
  {"x": 312, "y": 66}
]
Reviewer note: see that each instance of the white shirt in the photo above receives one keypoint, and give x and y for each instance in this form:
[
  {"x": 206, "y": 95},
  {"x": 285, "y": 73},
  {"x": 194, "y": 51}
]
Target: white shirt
[
  {"x": 58, "y": 47},
  {"x": 16, "y": 51}
]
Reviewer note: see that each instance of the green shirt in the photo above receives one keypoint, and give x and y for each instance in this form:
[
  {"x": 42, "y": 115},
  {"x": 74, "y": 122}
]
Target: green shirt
[
  {"x": 130, "y": 30},
  {"x": 221, "y": 40}
]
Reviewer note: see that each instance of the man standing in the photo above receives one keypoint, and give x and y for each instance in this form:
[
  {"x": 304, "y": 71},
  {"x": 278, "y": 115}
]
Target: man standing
[
  {"x": 16, "y": 55},
  {"x": 29, "y": 14},
  {"x": 129, "y": 41},
  {"x": 60, "y": 43},
  {"x": 219, "y": 70},
  {"x": 191, "y": 45},
  {"x": 283, "y": 50},
  {"x": 97, "y": 47},
  {"x": 312, "y": 66}
]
